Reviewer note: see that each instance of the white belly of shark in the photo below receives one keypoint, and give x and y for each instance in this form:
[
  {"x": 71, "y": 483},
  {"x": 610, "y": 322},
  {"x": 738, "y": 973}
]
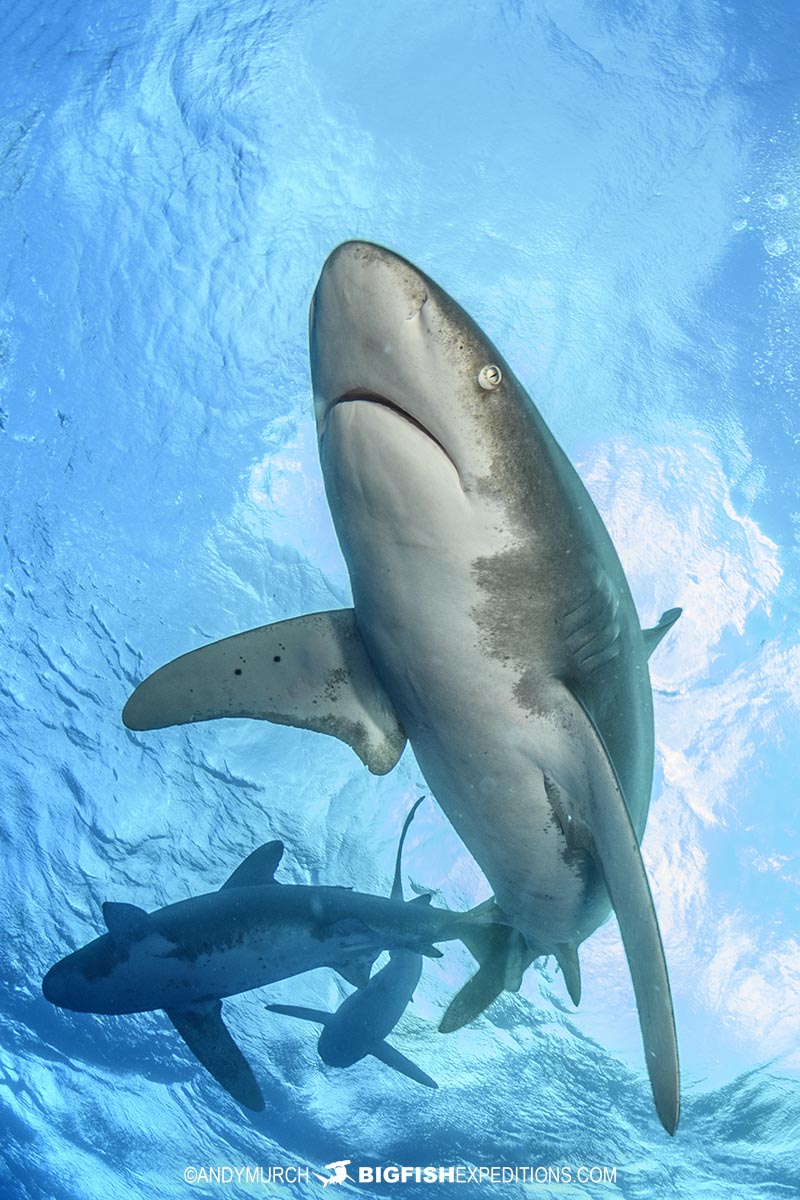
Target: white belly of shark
[{"x": 492, "y": 627}]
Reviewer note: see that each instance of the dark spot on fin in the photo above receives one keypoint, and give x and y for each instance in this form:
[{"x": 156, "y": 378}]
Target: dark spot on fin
[{"x": 326, "y": 683}]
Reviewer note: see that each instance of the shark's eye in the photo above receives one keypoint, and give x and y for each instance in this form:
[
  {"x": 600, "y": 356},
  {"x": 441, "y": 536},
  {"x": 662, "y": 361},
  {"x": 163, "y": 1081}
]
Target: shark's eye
[{"x": 490, "y": 377}]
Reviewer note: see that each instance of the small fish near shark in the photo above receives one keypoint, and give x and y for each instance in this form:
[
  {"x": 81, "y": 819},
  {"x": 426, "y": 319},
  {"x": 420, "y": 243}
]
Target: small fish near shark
[
  {"x": 361, "y": 1023},
  {"x": 186, "y": 958},
  {"x": 492, "y": 628}
]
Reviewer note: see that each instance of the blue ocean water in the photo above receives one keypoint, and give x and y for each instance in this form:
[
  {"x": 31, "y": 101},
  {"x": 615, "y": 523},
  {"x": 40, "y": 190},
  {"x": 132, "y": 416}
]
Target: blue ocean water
[{"x": 613, "y": 191}]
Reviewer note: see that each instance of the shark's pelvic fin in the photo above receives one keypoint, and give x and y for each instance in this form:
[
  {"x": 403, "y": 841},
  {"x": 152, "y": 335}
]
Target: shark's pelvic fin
[
  {"x": 258, "y": 868},
  {"x": 206, "y": 1035},
  {"x": 398, "y": 1062},
  {"x": 312, "y": 672},
  {"x": 317, "y": 1015},
  {"x": 358, "y": 970},
  {"x": 611, "y": 839},
  {"x": 503, "y": 957},
  {"x": 653, "y": 636},
  {"x": 126, "y": 922},
  {"x": 567, "y": 959}
]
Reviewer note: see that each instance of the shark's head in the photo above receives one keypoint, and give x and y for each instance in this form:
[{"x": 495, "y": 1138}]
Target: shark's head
[
  {"x": 87, "y": 981},
  {"x": 419, "y": 419},
  {"x": 403, "y": 376},
  {"x": 125, "y": 970}
]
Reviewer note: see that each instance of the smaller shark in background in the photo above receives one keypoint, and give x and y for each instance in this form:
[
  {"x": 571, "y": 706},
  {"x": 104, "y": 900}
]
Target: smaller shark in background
[
  {"x": 362, "y": 1022},
  {"x": 186, "y": 958}
]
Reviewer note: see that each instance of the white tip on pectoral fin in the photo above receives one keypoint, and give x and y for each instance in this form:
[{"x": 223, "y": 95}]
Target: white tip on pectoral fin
[
  {"x": 312, "y": 672},
  {"x": 613, "y": 842}
]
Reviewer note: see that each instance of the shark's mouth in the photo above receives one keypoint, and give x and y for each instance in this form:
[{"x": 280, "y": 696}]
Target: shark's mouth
[{"x": 364, "y": 395}]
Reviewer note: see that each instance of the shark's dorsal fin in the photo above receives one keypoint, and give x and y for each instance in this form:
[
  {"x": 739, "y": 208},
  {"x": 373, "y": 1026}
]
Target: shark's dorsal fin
[
  {"x": 312, "y": 672},
  {"x": 653, "y": 636},
  {"x": 424, "y": 898},
  {"x": 258, "y": 868},
  {"x": 206, "y": 1035},
  {"x": 126, "y": 922},
  {"x": 397, "y": 883},
  {"x": 609, "y": 835}
]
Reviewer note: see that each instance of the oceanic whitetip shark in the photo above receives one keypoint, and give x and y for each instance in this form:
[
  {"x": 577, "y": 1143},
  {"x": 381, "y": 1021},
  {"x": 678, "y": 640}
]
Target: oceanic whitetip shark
[
  {"x": 186, "y": 958},
  {"x": 362, "y": 1021},
  {"x": 492, "y": 627}
]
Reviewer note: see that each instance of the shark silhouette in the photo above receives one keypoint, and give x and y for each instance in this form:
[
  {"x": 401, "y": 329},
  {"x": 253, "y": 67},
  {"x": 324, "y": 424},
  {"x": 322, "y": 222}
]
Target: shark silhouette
[
  {"x": 186, "y": 958},
  {"x": 362, "y": 1021}
]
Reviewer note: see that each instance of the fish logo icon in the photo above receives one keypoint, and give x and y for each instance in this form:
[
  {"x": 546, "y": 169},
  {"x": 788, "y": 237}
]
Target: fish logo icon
[{"x": 339, "y": 1172}]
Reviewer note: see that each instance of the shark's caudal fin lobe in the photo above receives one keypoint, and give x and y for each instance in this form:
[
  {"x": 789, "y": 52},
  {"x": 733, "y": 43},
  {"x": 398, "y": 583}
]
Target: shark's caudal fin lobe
[
  {"x": 398, "y": 1062},
  {"x": 611, "y": 838},
  {"x": 653, "y": 636},
  {"x": 503, "y": 956},
  {"x": 207, "y": 1036},
  {"x": 567, "y": 959},
  {"x": 317, "y": 1015},
  {"x": 312, "y": 672},
  {"x": 258, "y": 868}
]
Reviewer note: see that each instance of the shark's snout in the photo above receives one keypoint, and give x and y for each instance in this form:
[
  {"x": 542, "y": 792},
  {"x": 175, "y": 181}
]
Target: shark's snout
[
  {"x": 362, "y": 275},
  {"x": 56, "y": 986}
]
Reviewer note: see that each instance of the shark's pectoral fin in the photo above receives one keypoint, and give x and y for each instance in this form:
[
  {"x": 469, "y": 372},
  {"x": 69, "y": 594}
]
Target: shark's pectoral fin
[
  {"x": 312, "y": 672},
  {"x": 258, "y": 868},
  {"x": 503, "y": 956},
  {"x": 398, "y": 1062},
  {"x": 207, "y": 1036},
  {"x": 653, "y": 636},
  {"x": 611, "y": 839},
  {"x": 317, "y": 1015}
]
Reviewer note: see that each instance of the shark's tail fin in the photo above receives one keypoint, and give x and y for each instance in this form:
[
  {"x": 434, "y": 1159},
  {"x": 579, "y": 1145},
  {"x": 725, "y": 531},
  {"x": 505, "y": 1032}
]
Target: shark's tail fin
[{"x": 503, "y": 956}]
